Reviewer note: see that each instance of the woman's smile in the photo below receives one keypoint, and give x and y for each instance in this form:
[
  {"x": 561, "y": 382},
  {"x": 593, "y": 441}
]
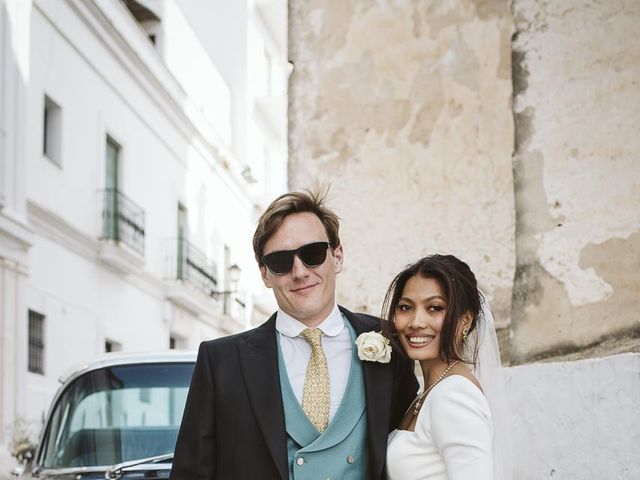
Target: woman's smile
[{"x": 419, "y": 341}]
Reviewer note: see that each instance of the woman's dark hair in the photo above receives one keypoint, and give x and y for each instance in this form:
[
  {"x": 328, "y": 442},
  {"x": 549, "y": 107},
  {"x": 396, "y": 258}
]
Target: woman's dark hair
[{"x": 462, "y": 295}]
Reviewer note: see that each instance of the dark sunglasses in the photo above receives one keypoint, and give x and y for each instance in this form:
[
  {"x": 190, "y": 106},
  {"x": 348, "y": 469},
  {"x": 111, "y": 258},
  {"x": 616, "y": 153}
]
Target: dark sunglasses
[{"x": 311, "y": 254}]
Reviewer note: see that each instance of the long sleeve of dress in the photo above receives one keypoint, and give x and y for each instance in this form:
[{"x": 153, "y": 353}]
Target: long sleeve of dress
[{"x": 462, "y": 429}]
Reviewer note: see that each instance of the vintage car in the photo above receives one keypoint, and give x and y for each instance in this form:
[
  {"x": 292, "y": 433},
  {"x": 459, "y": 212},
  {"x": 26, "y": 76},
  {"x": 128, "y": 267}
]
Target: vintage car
[{"x": 116, "y": 417}]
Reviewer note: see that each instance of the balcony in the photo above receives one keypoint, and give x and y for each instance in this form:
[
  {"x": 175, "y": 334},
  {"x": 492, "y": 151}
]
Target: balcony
[
  {"x": 122, "y": 232},
  {"x": 192, "y": 277},
  {"x": 195, "y": 268}
]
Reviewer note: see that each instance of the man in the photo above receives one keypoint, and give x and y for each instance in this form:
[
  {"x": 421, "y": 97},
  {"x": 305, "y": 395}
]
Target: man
[{"x": 290, "y": 398}]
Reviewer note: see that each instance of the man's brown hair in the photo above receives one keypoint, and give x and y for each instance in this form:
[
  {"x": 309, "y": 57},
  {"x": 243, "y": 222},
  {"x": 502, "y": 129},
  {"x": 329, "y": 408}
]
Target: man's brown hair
[{"x": 295, "y": 202}]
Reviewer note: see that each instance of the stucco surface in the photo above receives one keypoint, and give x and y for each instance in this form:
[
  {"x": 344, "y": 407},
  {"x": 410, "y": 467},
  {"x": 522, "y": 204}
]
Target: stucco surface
[
  {"x": 577, "y": 111},
  {"x": 404, "y": 108},
  {"x": 576, "y": 420}
]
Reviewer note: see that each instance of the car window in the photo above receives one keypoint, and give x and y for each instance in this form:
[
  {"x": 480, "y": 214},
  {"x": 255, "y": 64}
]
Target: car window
[{"x": 117, "y": 414}]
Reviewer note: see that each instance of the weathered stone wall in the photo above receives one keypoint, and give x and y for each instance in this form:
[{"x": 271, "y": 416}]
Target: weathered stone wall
[
  {"x": 576, "y": 75},
  {"x": 404, "y": 107},
  {"x": 575, "y": 420}
]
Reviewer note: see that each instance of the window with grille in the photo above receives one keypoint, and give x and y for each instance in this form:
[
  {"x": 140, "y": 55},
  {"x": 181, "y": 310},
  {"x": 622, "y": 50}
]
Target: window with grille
[{"x": 36, "y": 342}]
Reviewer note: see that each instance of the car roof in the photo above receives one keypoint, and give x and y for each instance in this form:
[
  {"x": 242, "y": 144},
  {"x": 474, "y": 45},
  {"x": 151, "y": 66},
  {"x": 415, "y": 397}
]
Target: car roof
[{"x": 129, "y": 358}]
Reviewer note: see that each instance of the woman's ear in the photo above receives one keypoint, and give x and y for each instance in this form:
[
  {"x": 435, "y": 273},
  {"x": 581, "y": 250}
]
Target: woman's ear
[
  {"x": 467, "y": 319},
  {"x": 464, "y": 327}
]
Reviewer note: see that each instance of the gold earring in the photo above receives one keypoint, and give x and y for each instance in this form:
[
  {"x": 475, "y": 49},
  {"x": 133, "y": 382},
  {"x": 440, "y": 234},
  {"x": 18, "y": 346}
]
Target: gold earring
[{"x": 465, "y": 333}]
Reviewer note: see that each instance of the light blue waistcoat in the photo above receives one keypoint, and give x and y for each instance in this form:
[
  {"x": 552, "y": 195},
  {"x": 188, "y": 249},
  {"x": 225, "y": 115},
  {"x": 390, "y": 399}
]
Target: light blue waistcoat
[{"x": 340, "y": 452}]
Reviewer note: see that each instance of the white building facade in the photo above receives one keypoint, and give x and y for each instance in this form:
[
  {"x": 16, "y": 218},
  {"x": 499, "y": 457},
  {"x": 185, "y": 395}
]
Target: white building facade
[{"x": 132, "y": 174}]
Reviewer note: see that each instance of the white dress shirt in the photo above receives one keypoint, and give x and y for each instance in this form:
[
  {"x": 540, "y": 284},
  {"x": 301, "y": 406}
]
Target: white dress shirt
[{"x": 296, "y": 351}]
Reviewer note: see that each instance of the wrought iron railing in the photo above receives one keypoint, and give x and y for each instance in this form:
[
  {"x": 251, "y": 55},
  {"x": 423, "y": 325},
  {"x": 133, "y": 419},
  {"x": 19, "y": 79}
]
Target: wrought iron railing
[
  {"x": 193, "y": 266},
  {"x": 123, "y": 220}
]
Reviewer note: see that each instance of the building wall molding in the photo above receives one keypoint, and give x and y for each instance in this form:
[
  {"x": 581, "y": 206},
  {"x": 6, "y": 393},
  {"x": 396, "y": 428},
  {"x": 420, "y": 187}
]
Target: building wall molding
[{"x": 57, "y": 229}]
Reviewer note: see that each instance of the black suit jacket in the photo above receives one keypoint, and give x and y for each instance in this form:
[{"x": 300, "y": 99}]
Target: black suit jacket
[{"x": 233, "y": 425}]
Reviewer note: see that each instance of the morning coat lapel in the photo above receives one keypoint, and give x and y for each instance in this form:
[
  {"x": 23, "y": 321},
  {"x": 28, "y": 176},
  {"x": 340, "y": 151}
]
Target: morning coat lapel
[
  {"x": 259, "y": 365},
  {"x": 378, "y": 386}
]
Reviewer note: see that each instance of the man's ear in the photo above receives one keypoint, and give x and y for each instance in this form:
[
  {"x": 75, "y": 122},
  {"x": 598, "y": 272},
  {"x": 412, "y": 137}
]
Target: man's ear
[
  {"x": 338, "y": 257},
  {"x": 265, "y": 276}
]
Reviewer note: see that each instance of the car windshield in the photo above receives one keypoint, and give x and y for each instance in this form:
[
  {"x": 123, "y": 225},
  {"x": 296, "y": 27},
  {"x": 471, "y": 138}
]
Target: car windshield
[{"x": 117, "y": 414}]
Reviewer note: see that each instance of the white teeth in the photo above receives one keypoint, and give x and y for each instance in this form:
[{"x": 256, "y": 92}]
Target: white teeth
[{"x": 420, "y": 340}]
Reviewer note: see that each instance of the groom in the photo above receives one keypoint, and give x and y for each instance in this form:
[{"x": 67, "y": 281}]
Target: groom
[{"x": 290, "y": 398}]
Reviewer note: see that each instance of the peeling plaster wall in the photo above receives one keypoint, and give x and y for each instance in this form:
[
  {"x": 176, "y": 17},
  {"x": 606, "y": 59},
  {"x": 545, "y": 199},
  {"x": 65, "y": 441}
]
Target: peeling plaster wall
[
  {"x": 576, "y": 420},
  {"x": 404, "y": 108},
  {"x": 576, "y": 74}
]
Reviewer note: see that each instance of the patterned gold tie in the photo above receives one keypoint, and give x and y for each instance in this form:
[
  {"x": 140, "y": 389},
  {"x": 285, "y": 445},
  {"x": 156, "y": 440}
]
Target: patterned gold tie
[{"x": 315, "y": 399}]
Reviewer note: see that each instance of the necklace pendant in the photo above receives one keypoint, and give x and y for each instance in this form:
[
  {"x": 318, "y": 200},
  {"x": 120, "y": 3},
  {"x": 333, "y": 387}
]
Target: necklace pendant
[{"x": 421, "y": 397}]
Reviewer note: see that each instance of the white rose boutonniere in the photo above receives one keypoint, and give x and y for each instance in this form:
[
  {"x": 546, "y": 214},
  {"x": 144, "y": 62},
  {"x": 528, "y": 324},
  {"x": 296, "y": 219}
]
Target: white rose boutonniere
[{"x": 373, "y": 347}]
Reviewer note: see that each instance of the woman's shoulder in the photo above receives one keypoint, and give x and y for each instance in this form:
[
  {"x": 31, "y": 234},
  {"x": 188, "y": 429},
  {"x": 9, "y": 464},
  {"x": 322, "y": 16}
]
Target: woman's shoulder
[
  {"x": 457, "y": 384},
  {"x": 459, "y": 412},
  {"x": 461, "y": 393}
]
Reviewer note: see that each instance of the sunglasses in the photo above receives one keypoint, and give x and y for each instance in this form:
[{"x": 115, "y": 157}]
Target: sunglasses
[{"x": 281, "y": 262}]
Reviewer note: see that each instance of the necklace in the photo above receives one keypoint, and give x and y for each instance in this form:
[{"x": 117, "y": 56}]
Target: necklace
[{"x": 422, "y": 396}]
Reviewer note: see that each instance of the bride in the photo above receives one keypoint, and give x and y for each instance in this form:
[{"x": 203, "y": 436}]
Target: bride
[{"x": 438, "y": 317}]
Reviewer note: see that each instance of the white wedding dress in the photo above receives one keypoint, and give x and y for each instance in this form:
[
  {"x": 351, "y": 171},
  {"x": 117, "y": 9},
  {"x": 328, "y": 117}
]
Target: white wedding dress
[{"x": 452, "y": 438}]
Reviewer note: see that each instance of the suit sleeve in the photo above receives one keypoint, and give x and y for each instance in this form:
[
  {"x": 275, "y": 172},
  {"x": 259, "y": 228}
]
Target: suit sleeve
[{"x": 195, "y": 453}]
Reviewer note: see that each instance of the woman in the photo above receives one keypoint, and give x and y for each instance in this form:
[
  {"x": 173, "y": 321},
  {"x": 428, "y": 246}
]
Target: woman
[{"x": 435, "y": 313}]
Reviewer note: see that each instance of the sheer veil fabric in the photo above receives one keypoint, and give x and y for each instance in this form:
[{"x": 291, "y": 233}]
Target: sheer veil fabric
[{"x": 488, "y": 371}]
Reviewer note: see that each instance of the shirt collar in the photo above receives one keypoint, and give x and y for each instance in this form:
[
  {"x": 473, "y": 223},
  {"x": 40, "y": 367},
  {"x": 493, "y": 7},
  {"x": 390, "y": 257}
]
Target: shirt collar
[{"x": 290, "y": 327}]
